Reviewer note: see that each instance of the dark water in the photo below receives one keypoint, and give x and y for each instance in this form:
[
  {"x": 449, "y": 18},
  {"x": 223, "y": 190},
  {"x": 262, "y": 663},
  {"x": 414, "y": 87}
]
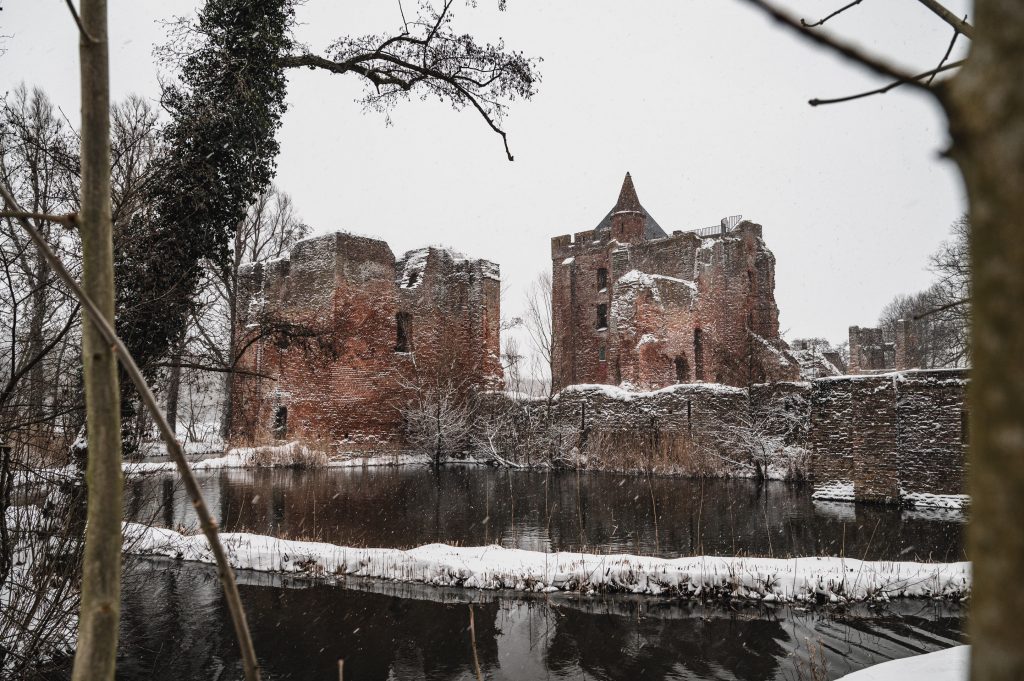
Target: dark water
[
  {"x": 175, "y": 624},
  {"x": 403, "y": 507}
]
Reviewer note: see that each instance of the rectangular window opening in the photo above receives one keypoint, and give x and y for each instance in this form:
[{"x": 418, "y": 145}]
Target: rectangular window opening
[
  {"x": 602, "y": 316},
  {"x": 403, "y": 334}
]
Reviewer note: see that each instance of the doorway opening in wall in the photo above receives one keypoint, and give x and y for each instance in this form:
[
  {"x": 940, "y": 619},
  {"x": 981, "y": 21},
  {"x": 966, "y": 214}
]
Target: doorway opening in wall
[
  {"x": 281, "y": 423},
  {"x": 682, "y": 369}
]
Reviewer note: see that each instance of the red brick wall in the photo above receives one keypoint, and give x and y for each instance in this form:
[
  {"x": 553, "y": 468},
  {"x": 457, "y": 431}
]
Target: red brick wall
[
  {"x": 660, "y": 291},
  {"x": 340, "y": 377}
]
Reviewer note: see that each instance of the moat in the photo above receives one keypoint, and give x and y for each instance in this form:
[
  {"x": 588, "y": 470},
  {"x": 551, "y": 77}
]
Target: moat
[{"x": 404, "y": 631}]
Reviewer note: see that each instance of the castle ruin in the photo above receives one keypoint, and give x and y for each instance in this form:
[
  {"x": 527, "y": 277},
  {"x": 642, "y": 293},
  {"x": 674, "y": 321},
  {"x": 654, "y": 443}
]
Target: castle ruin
[
  {"x": 340, "y": 335},
  {"x": 635, "y": 306}
]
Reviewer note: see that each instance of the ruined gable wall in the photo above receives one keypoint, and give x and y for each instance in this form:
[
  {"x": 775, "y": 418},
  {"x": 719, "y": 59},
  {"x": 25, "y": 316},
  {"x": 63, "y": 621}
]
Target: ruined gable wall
[
  {"x": 653, "y": 321},
  {"x": 454, "y": 307}
]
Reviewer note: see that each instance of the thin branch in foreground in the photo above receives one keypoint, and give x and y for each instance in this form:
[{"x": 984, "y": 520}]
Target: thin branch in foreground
[
  {"x": 838, "y": 11},
  {"x": 174, "y": 448},
  {"x": 949, "y": 51},
  {"x": 78, "y": 21},
  {"x": 851, "y": 52},
  {"x": 885, "y": 88},
  {"x": 69, "y": 220},
  {"x": 959, "y": 25}
]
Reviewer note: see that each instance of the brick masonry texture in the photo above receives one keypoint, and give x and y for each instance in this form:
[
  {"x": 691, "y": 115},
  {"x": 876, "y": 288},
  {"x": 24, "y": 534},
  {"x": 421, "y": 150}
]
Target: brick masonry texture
[
  {"x": 891, "y": 432},
  {"x": 886, "y": 433},
  {"x": 347, "y": 334},
  {"x": 633, "y": 306}
]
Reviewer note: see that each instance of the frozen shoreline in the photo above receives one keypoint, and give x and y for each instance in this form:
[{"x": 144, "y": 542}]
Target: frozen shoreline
[
  {"x": 768, "y": 580},
  {"x": 943, "y": 665}
]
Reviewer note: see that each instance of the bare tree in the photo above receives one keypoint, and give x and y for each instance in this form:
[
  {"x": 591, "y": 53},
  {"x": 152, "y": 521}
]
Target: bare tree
[
  {"x": 426, "y": 58},
  {"x": 984, "y": 103},
  {"x": 211, "y": 344},
  {"x": 952, "y": 293},
  {"x": 99, "y": 614},
  {"x": 938, "y": 318},
  {"x": 538, "y": 322}
]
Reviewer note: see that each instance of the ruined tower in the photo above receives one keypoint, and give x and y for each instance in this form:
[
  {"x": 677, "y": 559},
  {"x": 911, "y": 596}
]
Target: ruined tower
[{"x": 633, "y": 305}]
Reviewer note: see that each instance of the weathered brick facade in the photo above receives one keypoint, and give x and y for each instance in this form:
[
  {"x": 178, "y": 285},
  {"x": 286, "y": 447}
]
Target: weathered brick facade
[
  {"x": 891, "y": 432},
  {"x": 344, "y": 334},
  {"x": 634, "y": 306},
  {"x": 882, "y": 436}
]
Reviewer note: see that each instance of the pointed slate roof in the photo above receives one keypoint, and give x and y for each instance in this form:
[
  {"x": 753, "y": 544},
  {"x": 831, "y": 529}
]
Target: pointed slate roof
[{"x": 629, "y": 202}]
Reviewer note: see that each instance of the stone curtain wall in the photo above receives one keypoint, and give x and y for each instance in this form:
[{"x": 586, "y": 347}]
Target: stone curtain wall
[
  {"x": 891, "y": 434},
  {"x": 321, "y": 327},
  {"x": 885, "y": 435}
]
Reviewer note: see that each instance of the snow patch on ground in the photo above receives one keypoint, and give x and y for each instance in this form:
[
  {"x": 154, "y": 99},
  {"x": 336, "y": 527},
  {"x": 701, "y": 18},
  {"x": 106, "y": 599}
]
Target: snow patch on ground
[
  {"x": 834, "y": 580},
  {"x": 950, "y": 664}
]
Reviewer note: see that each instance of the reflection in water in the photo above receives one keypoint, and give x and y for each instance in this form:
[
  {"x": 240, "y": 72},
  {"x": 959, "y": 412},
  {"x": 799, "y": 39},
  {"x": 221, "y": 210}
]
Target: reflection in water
[
  {"x": 175, "y": 626},
  {"x": 551, "y": 511}
]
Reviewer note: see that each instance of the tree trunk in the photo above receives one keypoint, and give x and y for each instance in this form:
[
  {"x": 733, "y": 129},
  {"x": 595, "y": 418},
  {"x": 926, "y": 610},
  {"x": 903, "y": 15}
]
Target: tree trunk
[
  {"x": 985, "y": 103},
  {"x": 95, "y": 655},
  {"x": 174, "y": 383}
]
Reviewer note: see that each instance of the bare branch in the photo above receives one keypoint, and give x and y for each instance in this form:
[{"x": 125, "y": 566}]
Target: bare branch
[
  {"x": 949, "y": 51},
  {"x": 882, "y": 90},
  {"x": 69, "y": 220},
  {"x": 959, "y": 25},
  {"x": 78, "y": 21},
  {"x": 211, "y": 368},
  {"x": 428, "y": 59},
  {"x": 942, "y": 308},
  {"x": 838, "y": 11},
  {"x": 851, "y": 52}
]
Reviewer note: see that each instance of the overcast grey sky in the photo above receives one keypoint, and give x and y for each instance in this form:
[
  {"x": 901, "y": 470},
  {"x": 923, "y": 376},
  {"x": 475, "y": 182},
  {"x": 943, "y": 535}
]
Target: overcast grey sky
[{"x": 704, "y": 101}]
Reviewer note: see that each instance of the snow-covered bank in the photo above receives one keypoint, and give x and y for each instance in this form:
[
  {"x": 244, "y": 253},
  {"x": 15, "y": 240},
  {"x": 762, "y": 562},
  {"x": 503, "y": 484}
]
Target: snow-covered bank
[
  {"x": 950, "y": 664},
  {"x": 290, "y": 455},
  {"x": 834, "y": 580}
]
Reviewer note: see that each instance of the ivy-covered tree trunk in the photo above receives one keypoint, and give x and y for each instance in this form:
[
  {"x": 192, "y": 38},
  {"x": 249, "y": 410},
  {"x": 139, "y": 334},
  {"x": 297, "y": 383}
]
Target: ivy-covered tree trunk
[
  {"x": 96, "y": 652},
  {"x": 985, "y": 104}
]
